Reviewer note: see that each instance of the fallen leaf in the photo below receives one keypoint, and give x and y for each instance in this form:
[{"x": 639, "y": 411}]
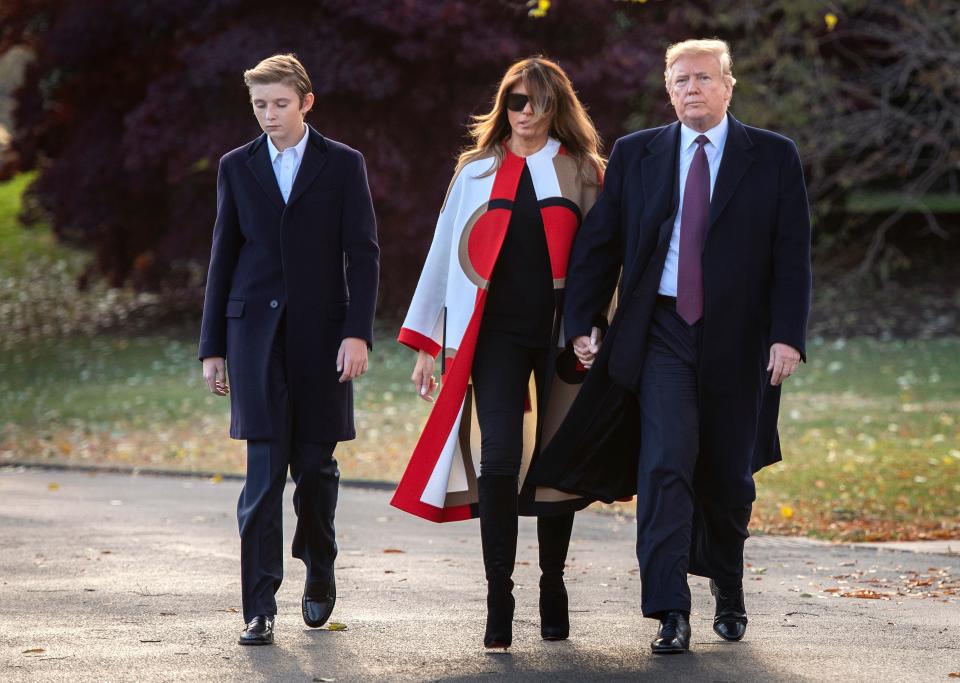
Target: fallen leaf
[
  {"x": 393, "y": 550},
  {"x": 53, "y": 486},
  {"x": 334, "y": 626},
  {"x": 34, "y": 651},
  {"x": 786, "y": 511},
  {"x": 216, "y": 479},
  {"x": 864, "y": 593}
]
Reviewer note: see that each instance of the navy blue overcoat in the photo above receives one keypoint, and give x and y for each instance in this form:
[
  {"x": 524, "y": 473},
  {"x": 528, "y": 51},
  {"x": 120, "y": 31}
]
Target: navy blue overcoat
[
  {"x": 315, "y": 258},
  {"x": 757, "y": 285}
]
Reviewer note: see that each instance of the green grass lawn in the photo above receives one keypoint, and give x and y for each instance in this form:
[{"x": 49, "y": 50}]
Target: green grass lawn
[
  {"x": 870, "y": 430},
  {"x": 871, "y": 438},
  {"x": 141, "y": 401}
]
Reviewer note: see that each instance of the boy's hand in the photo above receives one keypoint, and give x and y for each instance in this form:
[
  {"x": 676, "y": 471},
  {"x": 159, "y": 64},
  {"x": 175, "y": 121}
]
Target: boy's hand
[
  {"x": 352, "y": 358},
  {"x": 215, "y": 375}
]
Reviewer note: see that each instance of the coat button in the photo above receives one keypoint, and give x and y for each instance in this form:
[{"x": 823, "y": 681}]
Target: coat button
[{"x": 274, "y": 303}]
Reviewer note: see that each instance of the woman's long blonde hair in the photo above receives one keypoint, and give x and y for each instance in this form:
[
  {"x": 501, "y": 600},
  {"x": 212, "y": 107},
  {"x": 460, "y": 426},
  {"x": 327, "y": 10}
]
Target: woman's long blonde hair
[{"x": 552, "y": 95}]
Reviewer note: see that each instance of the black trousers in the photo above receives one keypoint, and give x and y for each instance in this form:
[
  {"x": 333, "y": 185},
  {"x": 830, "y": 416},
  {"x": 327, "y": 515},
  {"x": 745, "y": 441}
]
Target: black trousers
[
  {"x": 678, "y": 532},
  {"x": 502, "y": 364},
  {"x": 259, "y": 510}
]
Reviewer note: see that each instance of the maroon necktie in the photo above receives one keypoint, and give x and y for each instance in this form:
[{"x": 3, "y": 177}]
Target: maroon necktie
[{"x": 693, "y": 228}]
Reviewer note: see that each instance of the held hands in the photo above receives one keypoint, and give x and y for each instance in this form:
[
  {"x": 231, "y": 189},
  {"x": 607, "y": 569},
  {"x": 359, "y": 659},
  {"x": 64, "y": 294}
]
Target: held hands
[
  {"x": 422, "y": 377},
  {"x": 783, "y": 363},
  {"x": 352, "y": 358},
  {"x": 215, "y": 375},
  {"x": 586, "y": 348}
]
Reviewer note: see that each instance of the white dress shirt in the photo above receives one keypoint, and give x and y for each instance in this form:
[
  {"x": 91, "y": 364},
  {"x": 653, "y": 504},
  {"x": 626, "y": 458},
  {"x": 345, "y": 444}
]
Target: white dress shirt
[
  {"x": 688, "y": 146},
  {"x": 287, "y": 163}
]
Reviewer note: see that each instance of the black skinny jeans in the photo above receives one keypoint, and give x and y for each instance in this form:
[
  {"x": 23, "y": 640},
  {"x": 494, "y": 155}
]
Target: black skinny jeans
[{"x": 502, "y": 364}]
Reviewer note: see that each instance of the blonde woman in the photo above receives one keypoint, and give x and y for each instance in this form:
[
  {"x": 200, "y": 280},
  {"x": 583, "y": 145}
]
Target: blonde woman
[{"x": 489, "y": 299}]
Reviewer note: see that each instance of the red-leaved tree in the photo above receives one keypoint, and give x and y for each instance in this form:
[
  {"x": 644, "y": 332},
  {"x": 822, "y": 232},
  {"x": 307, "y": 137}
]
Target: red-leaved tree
[{"x": 127, "y": 107}]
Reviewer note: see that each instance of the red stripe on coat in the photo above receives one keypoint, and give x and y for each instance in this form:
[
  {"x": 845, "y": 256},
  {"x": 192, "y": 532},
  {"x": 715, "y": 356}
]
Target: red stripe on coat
[
  {"x": 418, "y": 342},
  {"x": 560, "y": 224},
  {"x": 437, "y": 431}
]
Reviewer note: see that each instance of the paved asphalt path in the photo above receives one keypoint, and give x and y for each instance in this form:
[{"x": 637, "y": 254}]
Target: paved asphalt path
[{"x": 133, "y": 578}]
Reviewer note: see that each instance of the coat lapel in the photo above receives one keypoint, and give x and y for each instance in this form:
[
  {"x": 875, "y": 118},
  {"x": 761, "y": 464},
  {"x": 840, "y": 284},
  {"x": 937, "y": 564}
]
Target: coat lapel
[
  {"x": 314, "y": 159},
  {"x": 659, "y": 172},
  {"x": 736, "y": 160},
  {"x": 259, "y": 164}
]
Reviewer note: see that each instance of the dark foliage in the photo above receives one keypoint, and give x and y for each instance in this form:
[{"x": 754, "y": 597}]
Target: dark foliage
[
  {"x": 870, "y": 90},
  {"x": 128, "y": 106}
]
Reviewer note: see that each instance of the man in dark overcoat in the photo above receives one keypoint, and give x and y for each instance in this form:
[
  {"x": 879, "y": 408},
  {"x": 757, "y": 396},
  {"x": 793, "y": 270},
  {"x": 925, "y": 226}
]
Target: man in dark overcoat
[
  {"x": 708, "y": 221},
  {"x": 289, "y": 308}
]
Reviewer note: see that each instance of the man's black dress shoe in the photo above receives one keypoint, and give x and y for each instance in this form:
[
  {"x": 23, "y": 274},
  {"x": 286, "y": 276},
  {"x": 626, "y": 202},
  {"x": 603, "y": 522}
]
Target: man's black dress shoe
[
  {"x": 318, "y": 608},
  {"x": 258, "y": 632},
  {"x": 673, "y": 636},
  {"x": 730, "y": 620}
]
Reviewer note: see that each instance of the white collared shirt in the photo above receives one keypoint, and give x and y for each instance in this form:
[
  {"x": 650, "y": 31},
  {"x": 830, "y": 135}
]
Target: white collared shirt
[
  {"x": 688, "y": 146},
  {"x": 287, "y": 163}
]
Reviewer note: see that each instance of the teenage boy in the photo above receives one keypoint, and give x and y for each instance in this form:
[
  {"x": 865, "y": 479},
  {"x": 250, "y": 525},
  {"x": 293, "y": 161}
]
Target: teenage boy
[{"x": 289, "y": 310}]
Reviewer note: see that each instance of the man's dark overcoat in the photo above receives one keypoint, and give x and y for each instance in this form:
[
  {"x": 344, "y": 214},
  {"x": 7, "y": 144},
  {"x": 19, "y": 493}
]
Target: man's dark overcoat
[
  {"x": 316, "y": 259},
  {"x": 757, "y": 281}
]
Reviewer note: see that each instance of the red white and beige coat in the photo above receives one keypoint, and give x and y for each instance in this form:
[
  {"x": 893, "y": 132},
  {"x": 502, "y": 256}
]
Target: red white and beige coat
[{"x": 440, "y": 482}]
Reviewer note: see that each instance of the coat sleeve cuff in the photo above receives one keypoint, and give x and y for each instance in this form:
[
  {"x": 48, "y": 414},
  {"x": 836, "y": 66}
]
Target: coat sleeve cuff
[
  {"x": 792, "y": 341},
  {"x": 418, "y": 342},
  {"x": 211, "y": 350}
]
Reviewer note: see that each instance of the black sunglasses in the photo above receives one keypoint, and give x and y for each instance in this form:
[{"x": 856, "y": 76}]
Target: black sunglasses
[{"x": 517, "y": 101}]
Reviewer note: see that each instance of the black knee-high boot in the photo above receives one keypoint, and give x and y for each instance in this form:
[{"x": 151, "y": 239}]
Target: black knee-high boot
[
  {"x": 553, "y": 534},
  {"x": 498, "y": 536}
]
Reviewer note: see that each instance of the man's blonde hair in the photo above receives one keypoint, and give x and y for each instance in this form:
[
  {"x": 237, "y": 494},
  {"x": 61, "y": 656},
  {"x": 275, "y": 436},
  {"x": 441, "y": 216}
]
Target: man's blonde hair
[
  {"x": 706, "y": 46},
  {"x": 285, "y": 69}
]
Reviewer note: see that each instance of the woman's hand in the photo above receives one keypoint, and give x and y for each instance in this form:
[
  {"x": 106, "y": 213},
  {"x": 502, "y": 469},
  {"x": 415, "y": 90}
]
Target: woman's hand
[
  {"x": 586, "y": 348},
  {"x": 422, "y": 376}
]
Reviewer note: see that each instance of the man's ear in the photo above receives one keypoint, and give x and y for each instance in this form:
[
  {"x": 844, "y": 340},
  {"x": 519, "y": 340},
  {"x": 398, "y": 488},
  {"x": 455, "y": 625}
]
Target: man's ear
[{"x": 307, "y": 103}]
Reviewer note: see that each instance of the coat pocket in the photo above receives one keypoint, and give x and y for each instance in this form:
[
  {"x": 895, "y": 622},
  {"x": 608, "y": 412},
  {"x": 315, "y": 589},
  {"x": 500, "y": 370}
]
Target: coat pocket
[
  {"x": 235, "y": 308},
  {"x": 337, "y": 310}
]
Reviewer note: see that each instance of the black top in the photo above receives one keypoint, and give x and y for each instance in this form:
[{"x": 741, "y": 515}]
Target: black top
[{"x": 521, "y": 297}]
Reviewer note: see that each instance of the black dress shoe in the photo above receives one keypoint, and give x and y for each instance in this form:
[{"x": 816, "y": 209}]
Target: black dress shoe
[
  {"x": 730, "y": 620},
  {"x": 673, "y": 636},
  {"x": 317, "y": 608},
  {"x": 258, "y": 632}
]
